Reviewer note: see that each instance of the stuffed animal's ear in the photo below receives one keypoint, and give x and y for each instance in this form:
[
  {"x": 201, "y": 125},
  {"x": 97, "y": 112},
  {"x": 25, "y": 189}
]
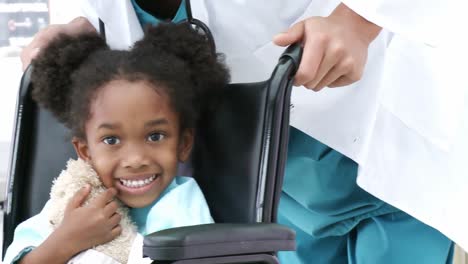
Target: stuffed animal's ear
[{"x": 81, "y": 148}]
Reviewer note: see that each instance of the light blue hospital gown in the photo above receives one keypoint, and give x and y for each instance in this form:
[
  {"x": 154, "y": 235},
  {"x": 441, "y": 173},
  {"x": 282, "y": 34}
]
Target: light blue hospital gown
[{"x": 181, "y": 204}]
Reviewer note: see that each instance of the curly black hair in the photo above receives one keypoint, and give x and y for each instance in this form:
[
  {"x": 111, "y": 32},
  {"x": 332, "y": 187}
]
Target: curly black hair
[{"x": 68, "y": 73}]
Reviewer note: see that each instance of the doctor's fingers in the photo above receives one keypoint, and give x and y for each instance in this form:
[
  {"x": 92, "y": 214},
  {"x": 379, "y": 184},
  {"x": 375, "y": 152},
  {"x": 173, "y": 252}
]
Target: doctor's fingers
[
  {"x": 341, "y": 81},
  {"x": 346, "y": 71},
  {"x": 292, "y": 35},
  {"x": 77, "y": 26},
  {"x": 40, "y": 40},
  {"x": 332, "y": 61},
  {"x": 329, "y": 78},
  {"x": 314, "y": 40},
  {"x": 352, "y": 70},
  {"x": 312, "y": 57}
]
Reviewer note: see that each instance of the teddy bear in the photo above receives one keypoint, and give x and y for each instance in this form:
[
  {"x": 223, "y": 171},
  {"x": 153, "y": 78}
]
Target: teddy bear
[{"x": 77, "y": 174}]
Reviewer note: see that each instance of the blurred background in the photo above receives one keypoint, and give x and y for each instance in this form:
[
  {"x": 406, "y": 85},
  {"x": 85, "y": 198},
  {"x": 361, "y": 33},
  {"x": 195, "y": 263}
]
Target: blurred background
[{"x": 19, "y": 21}]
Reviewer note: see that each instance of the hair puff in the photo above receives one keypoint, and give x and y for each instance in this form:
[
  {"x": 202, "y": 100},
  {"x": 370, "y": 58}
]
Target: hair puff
[{"x": 53, "y": 69}]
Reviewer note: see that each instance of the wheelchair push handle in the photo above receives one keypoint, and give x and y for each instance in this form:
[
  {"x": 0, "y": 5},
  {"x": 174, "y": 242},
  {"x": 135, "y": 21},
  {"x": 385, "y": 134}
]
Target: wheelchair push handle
[{"x": 293, "y": 54}]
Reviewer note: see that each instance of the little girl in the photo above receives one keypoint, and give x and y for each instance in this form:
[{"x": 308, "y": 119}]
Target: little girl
[{"x": 132, "y": 116}]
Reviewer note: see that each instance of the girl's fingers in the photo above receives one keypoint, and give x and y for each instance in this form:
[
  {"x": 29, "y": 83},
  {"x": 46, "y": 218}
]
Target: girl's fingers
[
  {"x": 104, "y": 198},
  {"x": 116, "y": 231},
  {"x": 110, "y": 208},
  {"x": 78, "y": 199},
  {"x": 115, "y": 220}
]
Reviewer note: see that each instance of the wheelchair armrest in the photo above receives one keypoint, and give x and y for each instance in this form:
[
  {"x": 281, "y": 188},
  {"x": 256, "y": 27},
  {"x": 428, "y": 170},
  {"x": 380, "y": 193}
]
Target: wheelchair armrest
[{"x": 212, "y": 240}]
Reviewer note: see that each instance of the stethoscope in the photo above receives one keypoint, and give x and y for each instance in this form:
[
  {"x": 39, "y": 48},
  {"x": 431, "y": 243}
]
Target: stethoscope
[{"x": 197, "y": 25}]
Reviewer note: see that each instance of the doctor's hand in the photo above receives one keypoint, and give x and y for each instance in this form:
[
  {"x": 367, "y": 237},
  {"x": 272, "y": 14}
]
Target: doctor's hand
[
  {"x": 43, "y": 37},
  {"x": 335, "y": 48}
]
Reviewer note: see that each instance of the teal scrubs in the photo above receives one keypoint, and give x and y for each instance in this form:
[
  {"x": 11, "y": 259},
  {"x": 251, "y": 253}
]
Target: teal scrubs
[
  {"x": 146, "y": 18},
  {"x": 338, "y": 222}
]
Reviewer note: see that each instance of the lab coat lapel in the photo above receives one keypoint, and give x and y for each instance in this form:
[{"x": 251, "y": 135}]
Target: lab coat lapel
[
  {"x": 199, "y": 11},
  {"x": 121, "y": 23}
]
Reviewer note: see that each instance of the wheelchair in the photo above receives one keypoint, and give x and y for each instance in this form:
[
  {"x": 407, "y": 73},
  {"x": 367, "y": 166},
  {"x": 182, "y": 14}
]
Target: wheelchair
[{"x": 238, "y": 160}]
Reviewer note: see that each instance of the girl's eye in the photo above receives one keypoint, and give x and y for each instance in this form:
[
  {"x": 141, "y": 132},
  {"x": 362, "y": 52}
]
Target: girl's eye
[
  {"x": 111, "y": 140},
  {"x": 155, "y": 137}
]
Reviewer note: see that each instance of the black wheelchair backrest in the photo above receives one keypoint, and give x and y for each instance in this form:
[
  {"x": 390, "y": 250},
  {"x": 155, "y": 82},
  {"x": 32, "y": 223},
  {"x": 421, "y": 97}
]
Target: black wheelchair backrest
[{"x": 240, "y": 153}]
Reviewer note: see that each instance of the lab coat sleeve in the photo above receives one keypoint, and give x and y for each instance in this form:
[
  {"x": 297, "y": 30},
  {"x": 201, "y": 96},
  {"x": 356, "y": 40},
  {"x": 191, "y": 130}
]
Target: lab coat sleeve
[
  {"x": 121, "y": 23},
  {"x": 431, "y": 22}
]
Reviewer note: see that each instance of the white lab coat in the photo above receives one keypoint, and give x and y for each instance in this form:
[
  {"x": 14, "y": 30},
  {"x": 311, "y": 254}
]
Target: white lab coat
[{"x": 405, "y": 122}]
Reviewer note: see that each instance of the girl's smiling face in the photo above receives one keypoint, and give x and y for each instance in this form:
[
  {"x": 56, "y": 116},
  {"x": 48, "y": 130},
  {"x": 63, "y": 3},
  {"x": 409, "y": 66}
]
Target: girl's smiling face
[{"x": 133, "y": 140}]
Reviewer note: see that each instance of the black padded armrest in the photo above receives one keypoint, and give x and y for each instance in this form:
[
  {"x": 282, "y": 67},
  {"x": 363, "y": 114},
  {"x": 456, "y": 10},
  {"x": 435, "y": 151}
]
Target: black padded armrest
[{"x": 218, "y": 240}]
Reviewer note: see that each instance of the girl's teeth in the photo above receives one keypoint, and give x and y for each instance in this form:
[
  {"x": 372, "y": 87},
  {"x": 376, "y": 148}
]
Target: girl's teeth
[{"x": 137, "y": 183}]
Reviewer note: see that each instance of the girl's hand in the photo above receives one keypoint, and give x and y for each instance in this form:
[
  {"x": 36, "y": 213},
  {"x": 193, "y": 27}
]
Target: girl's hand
[
  {"x": 335, "y": 48},
  {"x": 84, "y": 227}
]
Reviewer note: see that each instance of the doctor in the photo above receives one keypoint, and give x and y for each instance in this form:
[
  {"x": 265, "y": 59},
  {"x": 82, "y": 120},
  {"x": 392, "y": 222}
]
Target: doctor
[{"x": 394, "y": 127}]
